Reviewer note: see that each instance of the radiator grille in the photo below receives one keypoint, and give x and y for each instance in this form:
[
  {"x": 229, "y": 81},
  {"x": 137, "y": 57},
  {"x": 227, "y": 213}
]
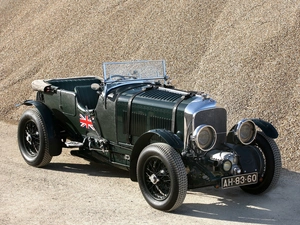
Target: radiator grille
[{"x": 216, "y": 118}]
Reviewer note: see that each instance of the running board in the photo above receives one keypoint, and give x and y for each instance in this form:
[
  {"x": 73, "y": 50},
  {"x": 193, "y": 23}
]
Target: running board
[{"x": 73, "y": 144}]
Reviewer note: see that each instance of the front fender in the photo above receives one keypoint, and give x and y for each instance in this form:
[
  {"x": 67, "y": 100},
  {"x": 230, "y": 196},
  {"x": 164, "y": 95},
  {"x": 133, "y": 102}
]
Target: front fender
[
  {"x": 266, "y": 127},
  {"x": 47, "y": 117},
  {"x": 144, "y": 140}
]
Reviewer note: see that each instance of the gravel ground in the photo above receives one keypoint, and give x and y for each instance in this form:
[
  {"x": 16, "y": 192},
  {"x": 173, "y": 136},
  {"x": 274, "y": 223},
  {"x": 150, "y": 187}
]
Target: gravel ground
[
  {"x": 70, "y": 191},
  {"x": 245, "y": 54}
]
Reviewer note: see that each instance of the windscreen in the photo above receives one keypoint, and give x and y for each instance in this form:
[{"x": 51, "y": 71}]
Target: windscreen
[{"x": 135, "y": 70}]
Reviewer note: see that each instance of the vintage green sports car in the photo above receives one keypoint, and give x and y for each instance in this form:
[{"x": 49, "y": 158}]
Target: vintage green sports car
[{"x": 169, "y": 140}]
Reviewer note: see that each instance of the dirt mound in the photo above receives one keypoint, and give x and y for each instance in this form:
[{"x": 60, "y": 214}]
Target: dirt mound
[{"x": 245, "y": 55}]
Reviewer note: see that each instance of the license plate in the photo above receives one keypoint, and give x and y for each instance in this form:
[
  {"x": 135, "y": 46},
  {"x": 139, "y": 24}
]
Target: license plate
[{"x": 239, "y": 180}]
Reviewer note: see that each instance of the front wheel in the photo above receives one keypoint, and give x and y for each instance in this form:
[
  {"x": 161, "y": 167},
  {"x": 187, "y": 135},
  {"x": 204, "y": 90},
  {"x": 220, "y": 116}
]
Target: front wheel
[
  {"x": 272, "y": 165},
  {"x": 162, "y": 176},
  {"x": 33, "y": 139}
]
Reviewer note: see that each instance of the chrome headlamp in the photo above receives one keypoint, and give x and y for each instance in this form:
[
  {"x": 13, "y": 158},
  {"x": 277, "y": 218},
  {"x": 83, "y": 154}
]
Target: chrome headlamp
[
  {"x": 245, "y": 131},
  {"x": 205, "y": 137}
]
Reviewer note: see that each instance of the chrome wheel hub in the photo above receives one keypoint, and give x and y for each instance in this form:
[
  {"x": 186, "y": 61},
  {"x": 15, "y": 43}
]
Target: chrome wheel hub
[
  {"x": 28, "y": 138},
  {"x": 153, "y": 178}
]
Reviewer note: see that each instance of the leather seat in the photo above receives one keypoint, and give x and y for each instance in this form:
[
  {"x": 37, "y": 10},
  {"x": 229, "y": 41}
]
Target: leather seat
[{"x": 87, "y": 98}]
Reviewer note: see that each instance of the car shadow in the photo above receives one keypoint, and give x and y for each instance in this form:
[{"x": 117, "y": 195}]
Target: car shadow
[
  {"x": 91, "y": 169},
  {"x": 228, "y": 208},
  {"x": 235, "y": 205}
]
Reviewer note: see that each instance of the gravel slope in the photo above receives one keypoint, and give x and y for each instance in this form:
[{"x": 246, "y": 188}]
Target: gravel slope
[{"x": 245, "y": 54}]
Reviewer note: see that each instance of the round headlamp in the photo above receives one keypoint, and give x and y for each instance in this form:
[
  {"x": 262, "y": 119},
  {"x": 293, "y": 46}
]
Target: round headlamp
[
  {"x": 205, "y": 137},
  {"x": 245, "y": 131},
  {"x": 226, "y": 165}
]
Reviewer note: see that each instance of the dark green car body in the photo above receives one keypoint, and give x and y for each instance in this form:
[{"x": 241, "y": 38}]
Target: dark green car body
[{"x": 115, "y": 119}]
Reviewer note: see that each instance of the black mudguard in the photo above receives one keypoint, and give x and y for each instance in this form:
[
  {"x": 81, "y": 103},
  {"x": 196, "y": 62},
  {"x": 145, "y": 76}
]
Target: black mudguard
[
  {"x": 266, "y": 127},
  {"x": 164, "y": 135},
  {"x": 47, "y": 116}
]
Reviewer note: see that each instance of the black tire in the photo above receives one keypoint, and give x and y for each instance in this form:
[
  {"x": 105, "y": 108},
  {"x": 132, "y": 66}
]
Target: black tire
[
  {"x": 33, "y": 139},
  {"x": 162, "y": 177},
  {"x": 272, "y": 167}
]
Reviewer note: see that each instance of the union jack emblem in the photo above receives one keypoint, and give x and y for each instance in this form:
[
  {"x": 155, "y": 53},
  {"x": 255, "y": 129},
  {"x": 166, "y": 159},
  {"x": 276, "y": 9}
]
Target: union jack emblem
[{"x": 86, "y": 122}]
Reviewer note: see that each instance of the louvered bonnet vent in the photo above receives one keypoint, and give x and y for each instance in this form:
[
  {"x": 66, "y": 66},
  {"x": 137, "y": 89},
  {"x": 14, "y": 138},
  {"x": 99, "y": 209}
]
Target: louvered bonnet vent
[{"x": 161, "y": 95}]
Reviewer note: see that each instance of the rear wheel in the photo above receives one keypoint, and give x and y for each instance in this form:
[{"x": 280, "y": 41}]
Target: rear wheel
[
  {"x": 162, "y": 177},
  {"x": 272, "y": 167},
  {"x": 33, "y": 139}
]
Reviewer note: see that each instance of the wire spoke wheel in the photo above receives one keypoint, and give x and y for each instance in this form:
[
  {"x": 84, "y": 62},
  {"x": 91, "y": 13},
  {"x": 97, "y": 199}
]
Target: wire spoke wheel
[
  {"x": 272, "y": 167},
  {"x": 162, "y": 177},
  {"x": 33, "y": 139},
  {"x": 157, "y": 178}
]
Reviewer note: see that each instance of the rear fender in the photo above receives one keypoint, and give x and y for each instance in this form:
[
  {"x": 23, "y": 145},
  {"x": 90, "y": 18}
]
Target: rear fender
[
  {"x": 47, "y": 116},
  {"x": 164, "y": 135}
]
